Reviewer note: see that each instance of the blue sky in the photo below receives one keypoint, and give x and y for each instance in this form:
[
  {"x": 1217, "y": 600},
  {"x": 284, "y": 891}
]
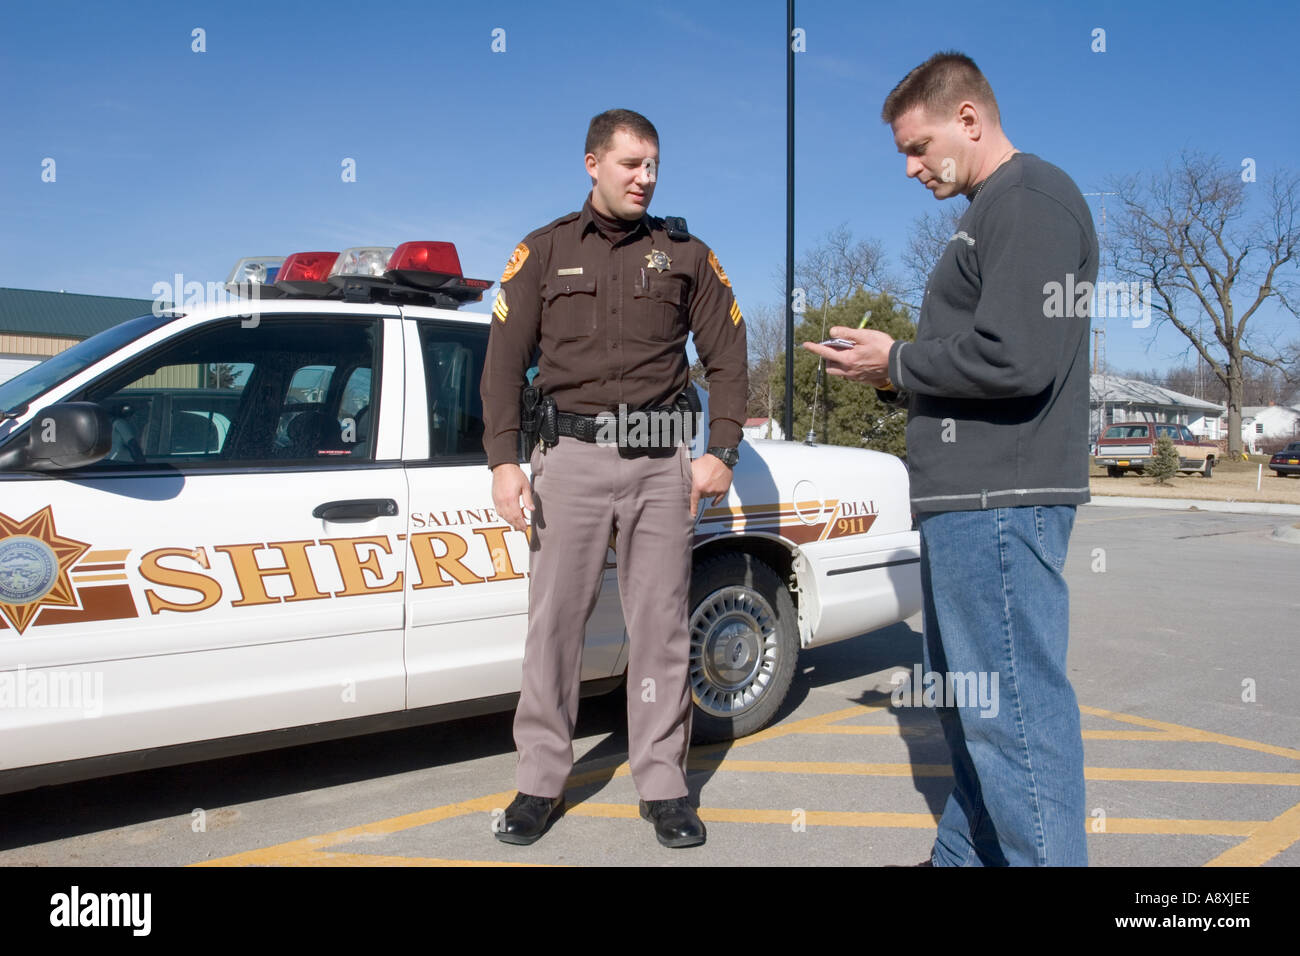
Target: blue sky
[{"x": 169, "y": 161}]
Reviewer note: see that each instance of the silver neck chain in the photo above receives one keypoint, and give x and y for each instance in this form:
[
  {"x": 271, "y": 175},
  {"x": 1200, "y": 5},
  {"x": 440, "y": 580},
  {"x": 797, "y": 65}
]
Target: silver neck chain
[{"x": 990, "y": 175}]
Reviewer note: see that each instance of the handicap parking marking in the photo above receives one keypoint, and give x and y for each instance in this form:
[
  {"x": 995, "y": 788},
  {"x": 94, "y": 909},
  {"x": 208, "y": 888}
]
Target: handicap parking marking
[{"x": 1262, "y": 839}]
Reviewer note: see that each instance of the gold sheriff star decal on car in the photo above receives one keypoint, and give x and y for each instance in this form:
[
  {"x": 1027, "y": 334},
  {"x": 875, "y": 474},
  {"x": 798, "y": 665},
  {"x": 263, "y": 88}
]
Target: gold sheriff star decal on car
[{"x": 34, "y": 564}]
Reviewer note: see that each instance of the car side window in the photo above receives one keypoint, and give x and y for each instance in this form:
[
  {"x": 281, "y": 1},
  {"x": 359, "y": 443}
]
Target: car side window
[
  {"x": 294, "y": 389},
  {"x": 453, "y": 364}
]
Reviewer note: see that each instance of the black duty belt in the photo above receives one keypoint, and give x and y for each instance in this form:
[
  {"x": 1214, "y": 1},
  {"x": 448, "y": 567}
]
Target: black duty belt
[
  {"x": 589, "y": 428},
  {"x": 582, "y": 427}
]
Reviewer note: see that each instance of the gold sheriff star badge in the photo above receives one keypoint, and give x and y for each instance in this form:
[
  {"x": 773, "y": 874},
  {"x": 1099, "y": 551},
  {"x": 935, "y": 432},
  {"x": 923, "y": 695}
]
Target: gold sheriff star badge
[{"x": 34, "y": 564}]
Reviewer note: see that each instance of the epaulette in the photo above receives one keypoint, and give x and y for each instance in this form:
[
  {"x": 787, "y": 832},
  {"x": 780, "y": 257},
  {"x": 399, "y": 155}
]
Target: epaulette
[{"x": 567, "y": 217}]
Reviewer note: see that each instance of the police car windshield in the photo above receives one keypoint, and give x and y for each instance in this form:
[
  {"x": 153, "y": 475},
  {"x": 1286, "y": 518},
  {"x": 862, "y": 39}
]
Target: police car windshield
[{"x": 20, "y": 390}]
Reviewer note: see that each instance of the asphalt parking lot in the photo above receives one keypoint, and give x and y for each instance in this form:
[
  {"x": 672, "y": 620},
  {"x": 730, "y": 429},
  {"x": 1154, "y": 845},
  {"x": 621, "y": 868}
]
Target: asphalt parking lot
[{"x": 1183, "y": 656}]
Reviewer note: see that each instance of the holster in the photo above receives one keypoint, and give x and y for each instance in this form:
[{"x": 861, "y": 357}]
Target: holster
[
  {"x": 689, "y": 401},
  {"x": 528, "y": 419},
  {"x": 548, "y": 429}
]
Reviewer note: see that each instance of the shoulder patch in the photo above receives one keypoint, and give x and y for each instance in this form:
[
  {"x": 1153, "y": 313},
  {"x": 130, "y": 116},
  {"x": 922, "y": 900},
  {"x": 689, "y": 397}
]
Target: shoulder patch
[
  {"x": 717, "y": 267},
  {"x": 516, "y": 262}
]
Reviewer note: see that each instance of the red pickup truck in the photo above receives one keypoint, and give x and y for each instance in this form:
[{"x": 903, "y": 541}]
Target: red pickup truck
[{"x": 1130, "y": 446}]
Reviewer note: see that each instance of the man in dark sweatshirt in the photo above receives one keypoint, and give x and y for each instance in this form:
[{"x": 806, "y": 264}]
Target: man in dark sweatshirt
[{"x": 996, "y": 389}]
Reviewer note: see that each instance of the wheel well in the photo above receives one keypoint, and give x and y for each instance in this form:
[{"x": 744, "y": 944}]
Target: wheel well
[{"x": 775, "y": 555}]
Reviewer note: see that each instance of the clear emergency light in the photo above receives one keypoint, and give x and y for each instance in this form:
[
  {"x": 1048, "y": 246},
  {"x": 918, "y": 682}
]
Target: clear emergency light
[{"x": 254, "y": 276}]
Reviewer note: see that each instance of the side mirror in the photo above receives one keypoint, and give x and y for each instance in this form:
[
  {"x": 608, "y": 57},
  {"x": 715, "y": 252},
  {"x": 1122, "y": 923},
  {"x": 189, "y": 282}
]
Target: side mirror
[{"x": 59, "y": 437}]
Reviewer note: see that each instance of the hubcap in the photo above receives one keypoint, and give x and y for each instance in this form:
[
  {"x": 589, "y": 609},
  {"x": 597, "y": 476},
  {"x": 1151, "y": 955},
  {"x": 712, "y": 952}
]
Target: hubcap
[{"x": 733, "y": 651}]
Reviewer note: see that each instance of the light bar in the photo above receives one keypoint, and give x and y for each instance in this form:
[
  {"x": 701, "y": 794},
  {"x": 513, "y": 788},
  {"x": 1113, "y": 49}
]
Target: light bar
[{"x": 413, "y": 272}]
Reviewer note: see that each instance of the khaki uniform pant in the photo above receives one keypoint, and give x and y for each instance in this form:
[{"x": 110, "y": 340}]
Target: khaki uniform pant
[{"x": 583, "y": 492}]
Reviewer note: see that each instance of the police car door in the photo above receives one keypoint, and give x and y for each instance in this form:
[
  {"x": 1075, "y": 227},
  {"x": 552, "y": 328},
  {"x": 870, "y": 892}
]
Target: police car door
[
  {"x": 467, "y": 590},
  {"x": 235, "y": 564}
]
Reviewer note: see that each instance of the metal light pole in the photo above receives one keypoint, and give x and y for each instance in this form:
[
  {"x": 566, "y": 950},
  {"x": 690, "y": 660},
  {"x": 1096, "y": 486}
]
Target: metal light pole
[{"x": 789, "y": 221}]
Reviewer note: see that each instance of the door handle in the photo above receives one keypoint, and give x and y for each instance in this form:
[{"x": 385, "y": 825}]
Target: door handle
[{"x": 356, "y": 509}]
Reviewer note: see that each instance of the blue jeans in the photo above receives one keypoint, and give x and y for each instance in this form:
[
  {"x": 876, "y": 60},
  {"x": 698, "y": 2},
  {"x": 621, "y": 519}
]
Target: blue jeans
[{"x": 996, "y": 604}]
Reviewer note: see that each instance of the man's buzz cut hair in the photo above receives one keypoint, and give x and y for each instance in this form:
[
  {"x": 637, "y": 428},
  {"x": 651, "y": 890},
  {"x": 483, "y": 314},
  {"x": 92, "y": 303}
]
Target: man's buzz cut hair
[
  {"x": 940, "y": 85},
  {"x": 600, "y": 134}
]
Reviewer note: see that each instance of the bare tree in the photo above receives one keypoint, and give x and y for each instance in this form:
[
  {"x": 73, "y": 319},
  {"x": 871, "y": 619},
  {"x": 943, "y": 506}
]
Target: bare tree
[
  {"x": 1184, "y": 235},
  {"x": 837, "y": 267},
  {"x": 832, "y": 272},
  {"x": 931, "y": 233},
  {"x": 765, "y": 338}
]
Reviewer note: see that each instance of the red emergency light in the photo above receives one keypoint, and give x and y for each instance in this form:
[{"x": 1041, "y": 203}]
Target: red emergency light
[{"x": 306, "y": 273}]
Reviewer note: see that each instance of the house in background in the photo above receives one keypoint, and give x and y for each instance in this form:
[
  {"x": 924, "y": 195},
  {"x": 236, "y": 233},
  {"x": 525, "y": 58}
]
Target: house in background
[
  {"x": 763, "y": 428},
  {"x": 1113, "y": 399},
  {"x": 1265, "y": 428},
  {"x": 35, "y": 325}
]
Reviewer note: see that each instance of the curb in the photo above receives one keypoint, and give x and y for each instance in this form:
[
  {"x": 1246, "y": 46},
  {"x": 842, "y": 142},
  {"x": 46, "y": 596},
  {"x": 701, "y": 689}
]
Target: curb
[{"x": 1187, "y": 504}]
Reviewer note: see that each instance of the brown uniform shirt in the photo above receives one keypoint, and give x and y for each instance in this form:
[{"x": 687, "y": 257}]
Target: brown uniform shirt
[{"x": 611, "y": 309}]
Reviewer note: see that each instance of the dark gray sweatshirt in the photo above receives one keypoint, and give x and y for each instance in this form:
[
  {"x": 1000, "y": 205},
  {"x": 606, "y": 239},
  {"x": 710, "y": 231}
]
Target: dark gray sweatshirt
[{"x": 996, "y": 383}]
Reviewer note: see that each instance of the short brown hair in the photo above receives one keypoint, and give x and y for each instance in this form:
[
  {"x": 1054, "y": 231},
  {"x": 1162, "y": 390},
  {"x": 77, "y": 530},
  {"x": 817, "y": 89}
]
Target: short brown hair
[
  {"x": 940, "y": 85},
  {"x": 600, "y": 134}
]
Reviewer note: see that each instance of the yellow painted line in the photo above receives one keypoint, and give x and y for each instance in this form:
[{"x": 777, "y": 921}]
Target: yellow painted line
[
  {"x": 806, "y": 726},
  {"x": 1155, "y": 826},
  {"x": 1265, "y": 842},
  {"x": 284, "y": 853},
  {"x": 848, "y": 768},
  {"x": 832, "y": 768},
  {"x": 876, "y": 730},
  {"x": 1125, "y": 825},
  {"x": 1265, "y": 839},
  {"x": 1163, "y": 775},
  {"x": 295, "y": 852},
  {"x": 88, "y": 578},
  {"x": 830, "y": 818},
  {"x": 1192, "y": 733},
  {"x": 370, "y": 859}
]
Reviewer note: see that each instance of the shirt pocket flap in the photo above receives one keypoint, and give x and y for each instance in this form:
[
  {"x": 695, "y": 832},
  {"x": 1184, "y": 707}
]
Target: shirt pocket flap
[
  {"x": 567, "y": 285},
  {"x": 669, "y": 290}
]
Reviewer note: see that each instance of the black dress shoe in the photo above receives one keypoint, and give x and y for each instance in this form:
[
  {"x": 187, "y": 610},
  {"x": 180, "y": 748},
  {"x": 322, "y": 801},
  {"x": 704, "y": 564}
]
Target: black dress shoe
[
  {"x": 676, "y": 822},
  {"x": 528, "y": 817}
]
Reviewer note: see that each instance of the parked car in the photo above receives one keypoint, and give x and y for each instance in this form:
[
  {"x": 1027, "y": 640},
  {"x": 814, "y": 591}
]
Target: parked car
[
  {"x": 241, "y": 526},
  {"x": 1130, "y": 446},
  {"x": 1287, "y": 461}
]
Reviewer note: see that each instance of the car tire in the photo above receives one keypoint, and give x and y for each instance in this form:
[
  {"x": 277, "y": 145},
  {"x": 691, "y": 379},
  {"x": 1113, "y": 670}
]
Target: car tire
[
  {"x": 744, "y": 642},
  {"x": 1209, "y": 468},
  {"x": 1114, "y": 472}
]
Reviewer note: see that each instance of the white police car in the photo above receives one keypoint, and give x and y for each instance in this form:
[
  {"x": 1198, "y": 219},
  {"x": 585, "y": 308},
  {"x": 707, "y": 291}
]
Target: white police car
[{"x": 228, "y": 522}]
